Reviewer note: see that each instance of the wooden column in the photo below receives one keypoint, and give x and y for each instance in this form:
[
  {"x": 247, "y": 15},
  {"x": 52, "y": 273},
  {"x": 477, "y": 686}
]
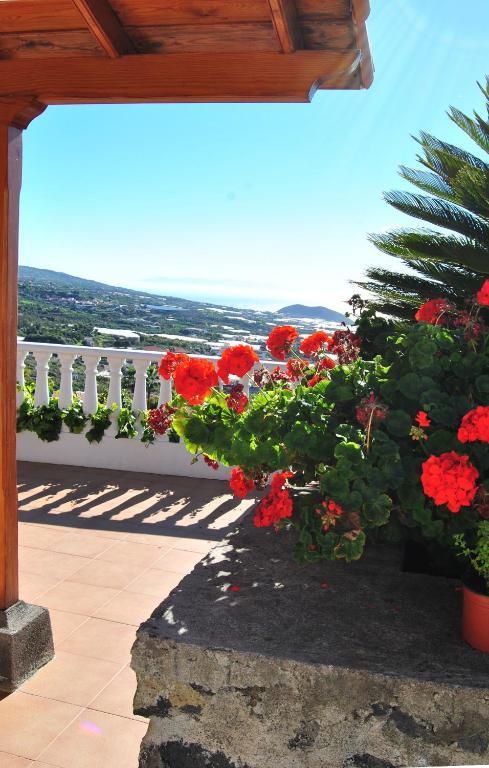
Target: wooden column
[{"x": 14, "y": 117}]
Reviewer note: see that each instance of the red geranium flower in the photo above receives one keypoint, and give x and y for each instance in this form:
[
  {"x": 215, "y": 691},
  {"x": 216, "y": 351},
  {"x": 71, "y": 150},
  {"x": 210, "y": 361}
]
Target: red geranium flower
[
  {"x": 194, "y": 380},
  {"x": 170, "y": 362},
  {"x": 212, "y": 463},
  {"x": 240, "y": 484},
  {"x": 329, "y": 512},
  {"x": 276, "y": 505},
  {"x": 327, "y": 363},
  {"x": 296, "y": 368},
  {"x": 281, "y": 340},
  {"x": 313, "y": 343},
  {"x": 370, "y": 411},
  {"x": 475, "y": 425},
  {"x": 160, "y": 419},
  {"x": 422, "y": 419},
  {"x": 483, "y": 294},
  {"x": 432, "y": 312},
  {"x": 236, "y": 360},
  {"x": 346, "y": 346},
  {"x": 315, "y": 380},
  {"x": 237, "y": 400},
  {"x": 450, "y": 479}
]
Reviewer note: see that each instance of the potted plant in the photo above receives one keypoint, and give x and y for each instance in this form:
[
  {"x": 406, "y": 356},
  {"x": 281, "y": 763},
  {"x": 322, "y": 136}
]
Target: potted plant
[{"x": 474, "y": 549}]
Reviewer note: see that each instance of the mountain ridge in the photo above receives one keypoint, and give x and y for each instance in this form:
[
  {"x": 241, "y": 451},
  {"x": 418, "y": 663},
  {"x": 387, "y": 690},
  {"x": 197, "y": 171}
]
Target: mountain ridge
[{"x": 314, "y": 313}]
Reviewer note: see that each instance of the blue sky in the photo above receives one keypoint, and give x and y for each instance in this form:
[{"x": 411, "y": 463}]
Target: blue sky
[{"x": 250, "y": 205}]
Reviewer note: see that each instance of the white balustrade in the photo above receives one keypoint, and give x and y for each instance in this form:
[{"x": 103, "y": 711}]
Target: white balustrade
[
  {"x": 91, "y": 356},
  {"x": 41, "y": 394},
  {"x": 21, "y": 356},
  {"x": 114, "y": 396},
  {"x": 90, "y": 395},
  {"x": 139, "y": 400},
  {"x": 165, "y": 391},
  {"x": 66, "y": 360}
]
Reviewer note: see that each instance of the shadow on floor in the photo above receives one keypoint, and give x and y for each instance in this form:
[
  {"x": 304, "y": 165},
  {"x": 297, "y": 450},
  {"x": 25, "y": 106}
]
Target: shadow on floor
[{"x": 102, "y": 499}]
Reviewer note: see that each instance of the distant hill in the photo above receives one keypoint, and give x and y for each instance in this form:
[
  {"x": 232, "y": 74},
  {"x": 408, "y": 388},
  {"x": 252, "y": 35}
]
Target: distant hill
[
  {"x": 316, "y": 313},
  {"x": 50, "y": 278}
]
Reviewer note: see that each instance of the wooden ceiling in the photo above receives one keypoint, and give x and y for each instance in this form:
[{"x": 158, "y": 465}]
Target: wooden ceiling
[{"x": 86, "y": 51}]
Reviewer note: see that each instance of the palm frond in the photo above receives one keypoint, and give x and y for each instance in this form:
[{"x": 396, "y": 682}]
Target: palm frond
[
  {"x": 429, "y": 244},
  {"x": 441, "y": 213}
]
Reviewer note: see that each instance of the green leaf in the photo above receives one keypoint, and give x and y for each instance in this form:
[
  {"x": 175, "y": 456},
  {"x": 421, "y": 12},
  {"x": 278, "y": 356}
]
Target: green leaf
[{"x": 398, "y": 423}]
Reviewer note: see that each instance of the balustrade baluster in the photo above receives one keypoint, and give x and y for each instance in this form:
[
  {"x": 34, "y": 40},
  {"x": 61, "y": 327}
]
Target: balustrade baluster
[
  {"x": 21, "y": 356},
  {"x": 90, "y": 396},
  {"x": 165, "y": 391},
  {"x": 114, "y": 396},
  {"x": 66, "y": 360},
  {"x": 41, "y": 395},
  {"x": 139, "y": 400}
]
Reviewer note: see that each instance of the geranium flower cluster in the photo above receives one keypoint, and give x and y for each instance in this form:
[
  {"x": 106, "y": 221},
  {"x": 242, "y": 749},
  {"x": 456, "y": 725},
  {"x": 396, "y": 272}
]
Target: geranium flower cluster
[
  {"x": 276, "y": 505},
  {"x": 316, "y": 343},
  {"x": 329, "y": 512},
  {"x": 160, "y": 419},
  {"x": 475, "y": 426},
  {"x": 237, "y": 400},
  {"x": 434, "y": 312},
  {"x": 236, "y": 361},
  {"x": 240, "y": 483},
  {"x": 450, "y": 479},
  {"x": 370, "y": 411}
]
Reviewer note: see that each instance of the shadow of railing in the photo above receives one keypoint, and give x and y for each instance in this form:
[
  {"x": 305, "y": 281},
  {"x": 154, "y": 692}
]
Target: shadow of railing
[{"x": 109, "y": 500}]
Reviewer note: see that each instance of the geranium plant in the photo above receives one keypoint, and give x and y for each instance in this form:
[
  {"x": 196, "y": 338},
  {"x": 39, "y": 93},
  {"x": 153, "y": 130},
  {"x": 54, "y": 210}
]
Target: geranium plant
[{"x": 345, "y": 446}]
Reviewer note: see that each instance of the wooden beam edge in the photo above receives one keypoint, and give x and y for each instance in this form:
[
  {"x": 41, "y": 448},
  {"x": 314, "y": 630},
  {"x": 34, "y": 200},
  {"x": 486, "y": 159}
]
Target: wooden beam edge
[
  {"x": 105, "y": 26},
  {"x": 360, "y": 13},
  {"x": 19, "y": 112},
  {"x": 286, "y": 24},
  {"x": 176, "y": 78}
]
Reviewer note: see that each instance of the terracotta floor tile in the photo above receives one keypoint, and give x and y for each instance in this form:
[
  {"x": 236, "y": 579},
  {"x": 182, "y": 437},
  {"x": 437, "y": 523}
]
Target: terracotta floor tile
[
  {"x": 48, "y": 563},
  {"x": 12, "y": 761},
  {"x": 29, "y": 723},
  {"x": 130, "y": 553},
  {"x": 82, "y": 544},
  {"x": 38, "y": 536},
  {"x": 104, "y": 573},
  {"x": 117, "y": 697},
  {"x": 64, "y": 623},
  {"x": 100, "y": 639},
  {"x": 77, "y": 598},
  {"x": 178, "y": 560},
  {"x": 97, "y": 740},
  {"x": 128, "y": 608},
  {"x": 32, "y": 586},
  {"x": 153, "y": 539},
  {"x": 155, "y": 582},
  {"x": 72, "y": 679}
]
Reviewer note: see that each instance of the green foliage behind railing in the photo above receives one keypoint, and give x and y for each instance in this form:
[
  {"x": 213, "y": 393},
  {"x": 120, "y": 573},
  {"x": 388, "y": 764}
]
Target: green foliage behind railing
[{"x": 46, "y": 421}]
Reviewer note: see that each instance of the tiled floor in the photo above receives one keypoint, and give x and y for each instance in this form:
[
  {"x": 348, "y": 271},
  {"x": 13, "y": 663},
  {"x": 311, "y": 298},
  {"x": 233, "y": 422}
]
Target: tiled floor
[{"x": 101, "y": 569}]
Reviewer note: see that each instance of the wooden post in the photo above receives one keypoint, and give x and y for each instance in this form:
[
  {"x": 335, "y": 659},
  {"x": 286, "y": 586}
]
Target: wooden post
[{"x": 14, "y": 116}]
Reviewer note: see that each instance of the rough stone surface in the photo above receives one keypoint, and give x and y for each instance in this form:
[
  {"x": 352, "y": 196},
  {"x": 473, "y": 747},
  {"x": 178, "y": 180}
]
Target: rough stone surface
[
  {"x": 330, "y": 666},
  {"x": 26, "y": 643}
]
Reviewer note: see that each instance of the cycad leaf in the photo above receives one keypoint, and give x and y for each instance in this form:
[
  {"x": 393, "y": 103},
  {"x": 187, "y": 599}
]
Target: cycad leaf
[{"x": 441, "y": 213}]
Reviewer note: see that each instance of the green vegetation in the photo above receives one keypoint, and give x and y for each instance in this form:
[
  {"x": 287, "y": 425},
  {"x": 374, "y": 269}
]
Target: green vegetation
[{"x": 451, "y": 260}]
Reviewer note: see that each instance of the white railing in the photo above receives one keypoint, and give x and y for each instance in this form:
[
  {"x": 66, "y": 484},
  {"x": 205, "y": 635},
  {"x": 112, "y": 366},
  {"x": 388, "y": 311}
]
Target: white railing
[{"x": 91, "y": 358}]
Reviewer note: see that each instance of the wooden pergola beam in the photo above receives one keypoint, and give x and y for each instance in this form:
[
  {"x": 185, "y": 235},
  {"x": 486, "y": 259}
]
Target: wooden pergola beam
[
  {"x": 177, "y": 78},
  {"x": 105, "y": 27},
  {"x": 286, "y": 23}
]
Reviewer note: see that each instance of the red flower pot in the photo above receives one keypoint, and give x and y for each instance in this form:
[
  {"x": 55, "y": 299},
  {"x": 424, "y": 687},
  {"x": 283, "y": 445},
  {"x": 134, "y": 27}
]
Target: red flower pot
[{"x": 475, "y": 624}]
